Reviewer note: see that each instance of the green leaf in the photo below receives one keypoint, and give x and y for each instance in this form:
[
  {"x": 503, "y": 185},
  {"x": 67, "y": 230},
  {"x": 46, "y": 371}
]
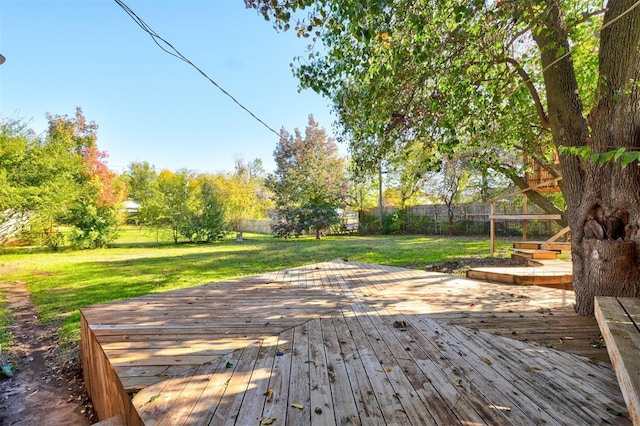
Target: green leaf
[
  {"x": 629, "y": 157},
  {"x": 605, "y": 157},
  {"x": 619, "y": 152}
]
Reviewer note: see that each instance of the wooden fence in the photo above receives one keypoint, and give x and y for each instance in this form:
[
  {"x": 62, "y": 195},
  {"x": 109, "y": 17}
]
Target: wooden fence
[{"x": 470, "y": 218}]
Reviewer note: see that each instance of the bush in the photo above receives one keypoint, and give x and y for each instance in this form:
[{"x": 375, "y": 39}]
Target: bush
[
  {"x": 419, "y": 224},
  {"x": 394, "y": 223},
  {"x": 287, "y": 224},
  {"x": 455, "y": 228},
  {"x": 94, "y": 226}
]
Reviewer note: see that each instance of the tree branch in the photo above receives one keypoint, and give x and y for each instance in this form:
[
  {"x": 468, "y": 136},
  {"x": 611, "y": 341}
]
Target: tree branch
[
  {"x": 544, "y": 120},
  {"x": 535, "y": 197},
  {"x": 586, "y": 17}
]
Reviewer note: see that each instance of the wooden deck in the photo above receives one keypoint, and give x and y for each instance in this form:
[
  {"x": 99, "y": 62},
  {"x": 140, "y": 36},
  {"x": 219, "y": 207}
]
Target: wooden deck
[
  {"x": 543, "y": 272},
  {"x": 619, "y": 320},
  {"x": 348, "y": 343}
]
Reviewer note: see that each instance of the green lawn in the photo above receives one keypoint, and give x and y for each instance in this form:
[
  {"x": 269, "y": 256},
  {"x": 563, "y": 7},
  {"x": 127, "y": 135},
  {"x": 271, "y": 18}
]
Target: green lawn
[{"x": 145, "y": 262}]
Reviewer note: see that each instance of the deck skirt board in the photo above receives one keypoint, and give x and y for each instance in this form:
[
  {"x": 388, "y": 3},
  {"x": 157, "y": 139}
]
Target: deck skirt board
[{"x": 350, "y": 343}]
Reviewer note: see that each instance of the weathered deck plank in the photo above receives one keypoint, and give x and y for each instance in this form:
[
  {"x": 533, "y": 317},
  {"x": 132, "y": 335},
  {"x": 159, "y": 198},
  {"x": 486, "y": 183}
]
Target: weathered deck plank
[
  {"x": 619, "y": 320},
  {"x": 349, "y": 343}
]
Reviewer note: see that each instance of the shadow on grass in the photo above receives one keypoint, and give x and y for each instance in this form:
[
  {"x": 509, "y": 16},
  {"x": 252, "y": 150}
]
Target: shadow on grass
[{"x": 127, "y": 274}]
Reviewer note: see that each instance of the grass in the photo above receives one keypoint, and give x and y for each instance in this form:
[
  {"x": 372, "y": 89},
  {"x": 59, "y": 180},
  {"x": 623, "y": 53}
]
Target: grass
[
  {"x": 5, "y": 338},
  {"x": 143, "y": 262}
]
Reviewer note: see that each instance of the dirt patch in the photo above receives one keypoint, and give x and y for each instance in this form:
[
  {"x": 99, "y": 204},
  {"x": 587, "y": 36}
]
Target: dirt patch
[
  {"x": 7, "y": 269},
  {"x": 47, "y": 386},
  {"x": 461, "y": 265}
]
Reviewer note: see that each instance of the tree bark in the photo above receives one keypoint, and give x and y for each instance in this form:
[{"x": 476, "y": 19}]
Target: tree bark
[
  {"x": 603, "y": 202},
  {"x": 612, "y": 271}
]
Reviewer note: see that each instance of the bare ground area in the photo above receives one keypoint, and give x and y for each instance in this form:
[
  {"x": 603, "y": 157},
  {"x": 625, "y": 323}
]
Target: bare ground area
[
  {"x": 47, "y": 387},
  {"x": 461, "y": 265}
]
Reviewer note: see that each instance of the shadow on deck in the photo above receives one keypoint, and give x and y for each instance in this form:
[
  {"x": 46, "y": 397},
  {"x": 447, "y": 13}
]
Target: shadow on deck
[{"x": 349, "y": 343}]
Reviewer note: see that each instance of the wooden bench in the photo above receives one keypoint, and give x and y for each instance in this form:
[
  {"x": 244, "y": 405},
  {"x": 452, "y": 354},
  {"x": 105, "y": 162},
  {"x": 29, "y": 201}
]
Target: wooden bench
[{"x": 619, "y": 321}]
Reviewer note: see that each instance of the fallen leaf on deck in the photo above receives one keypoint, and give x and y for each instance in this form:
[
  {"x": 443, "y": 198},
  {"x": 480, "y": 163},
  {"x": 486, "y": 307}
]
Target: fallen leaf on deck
[
  {"x": 268, "y": 421},
  {"x": 311, "y": 361},
  {"x": 269, "y": 394},
  {"x": 402, "y": 325},
  {"x": 389, "y": 369},
  {"x": 153, "y": 398},
  {"x": 614, "y": 412},
  {"x": 298, "y": 406},
  {"x": 486, "y": 360},
  {"x": 534, "y": 368}
]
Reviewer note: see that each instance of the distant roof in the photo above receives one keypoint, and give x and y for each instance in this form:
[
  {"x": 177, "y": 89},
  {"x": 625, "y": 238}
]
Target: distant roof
[{"x": 131, "y": 205}]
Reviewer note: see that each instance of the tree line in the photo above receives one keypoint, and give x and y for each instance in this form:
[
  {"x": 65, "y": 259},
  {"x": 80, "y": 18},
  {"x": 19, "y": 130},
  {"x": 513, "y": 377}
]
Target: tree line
[{"x": 60, "y": 180}]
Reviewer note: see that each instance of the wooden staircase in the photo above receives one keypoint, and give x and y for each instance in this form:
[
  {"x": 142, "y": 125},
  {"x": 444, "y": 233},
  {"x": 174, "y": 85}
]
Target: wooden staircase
[
  {"x": 530, "y": 251},
  {"x": 541, "y": 267}
]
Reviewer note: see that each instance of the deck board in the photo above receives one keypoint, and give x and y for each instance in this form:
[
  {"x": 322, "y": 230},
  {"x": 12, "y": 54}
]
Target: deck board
[
  {"x": 349, "y": 343},
  {"x": 619, "y": 320}
]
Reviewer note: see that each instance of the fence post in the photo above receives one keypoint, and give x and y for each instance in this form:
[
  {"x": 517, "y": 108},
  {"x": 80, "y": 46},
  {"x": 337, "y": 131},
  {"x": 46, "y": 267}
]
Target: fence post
[{"x": 492, "y": 229}]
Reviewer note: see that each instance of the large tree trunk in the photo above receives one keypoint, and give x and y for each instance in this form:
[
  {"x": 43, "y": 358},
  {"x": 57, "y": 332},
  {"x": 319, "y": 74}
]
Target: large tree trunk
[{"x": 603, "y": 202}]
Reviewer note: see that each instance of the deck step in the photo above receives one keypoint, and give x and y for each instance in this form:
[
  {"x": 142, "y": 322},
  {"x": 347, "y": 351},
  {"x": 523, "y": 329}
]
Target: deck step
[
  {"x": 542, "y": 245},
  {"x": 523, "y": 276},
  {"x": 532, "y": 245},
  {"x": 557, "y": 246},
  {"x": 526, "y": 254}
]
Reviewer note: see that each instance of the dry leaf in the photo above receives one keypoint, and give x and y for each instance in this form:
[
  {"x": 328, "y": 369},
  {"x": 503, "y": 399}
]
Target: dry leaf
[
  {"x": 269, "y": 394},
  {"x": 311, "y": 361},
  {"x": 268, "y": 421},
  {"x": 389, "y": 369},
  {"x": 153, "y": 398},
  {"x": 298, "y": 406},
  {"x": 534, "y": 368},
  {"x": 486, "y": 360}
]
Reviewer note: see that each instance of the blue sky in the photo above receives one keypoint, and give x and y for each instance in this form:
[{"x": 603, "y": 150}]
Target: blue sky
[{"x": 148, "y": 105}]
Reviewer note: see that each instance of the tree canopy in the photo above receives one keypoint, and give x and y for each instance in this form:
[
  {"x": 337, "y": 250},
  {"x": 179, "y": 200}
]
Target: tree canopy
[
  {"x": 60, "y": 178},
  {"x": 309, "y": 183}
]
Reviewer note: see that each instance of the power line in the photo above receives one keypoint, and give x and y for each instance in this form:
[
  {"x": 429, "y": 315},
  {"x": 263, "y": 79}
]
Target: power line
[
  {"x": 168, "y": 48},
  {"x": 633, "y": 6}
]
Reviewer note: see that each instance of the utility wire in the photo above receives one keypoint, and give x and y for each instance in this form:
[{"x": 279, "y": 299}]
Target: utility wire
[
  {"x": 168, "y": 48},
  {"x": 633, "y": 6}
]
